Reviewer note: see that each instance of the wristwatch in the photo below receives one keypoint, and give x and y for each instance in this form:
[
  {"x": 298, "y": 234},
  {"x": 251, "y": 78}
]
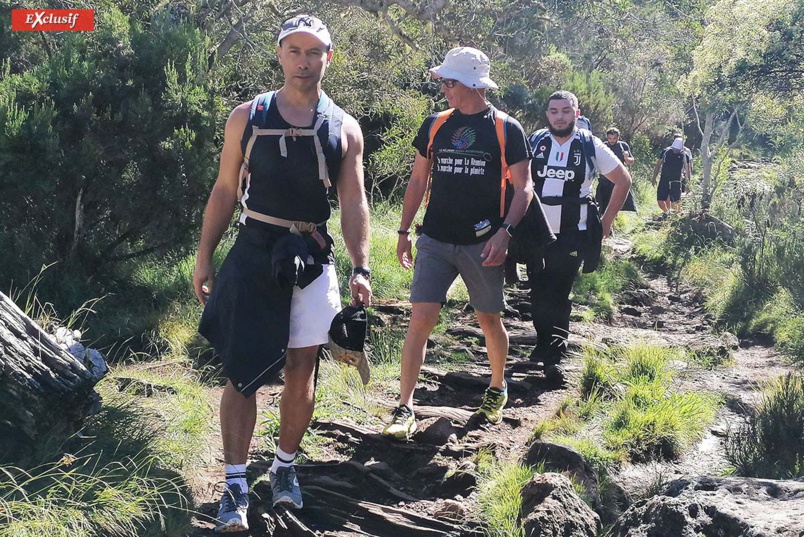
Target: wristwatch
[
  {"x": 508, "y": 229},
  {"x": 363, "y": 271}
]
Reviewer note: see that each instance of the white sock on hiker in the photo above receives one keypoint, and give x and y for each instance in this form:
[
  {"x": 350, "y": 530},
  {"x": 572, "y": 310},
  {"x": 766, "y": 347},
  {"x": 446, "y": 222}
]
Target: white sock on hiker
[
  {"x": 236, "y": 475},
  {"x": 282, "y": 459}
]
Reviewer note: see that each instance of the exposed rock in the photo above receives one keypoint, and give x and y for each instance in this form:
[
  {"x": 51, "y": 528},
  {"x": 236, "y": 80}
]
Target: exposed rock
[
  {"x": 551, "y": 508},
  {"x": 630, "y": 310},
  {"x": 728, "y": 506},
  {"x": 560, "y": 458},
  {"x": 435, "y": 431},
  {"x": 451, "y": 510}
]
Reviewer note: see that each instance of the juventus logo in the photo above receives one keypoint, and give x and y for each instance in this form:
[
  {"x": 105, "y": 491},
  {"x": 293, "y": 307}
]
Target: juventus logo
[{"x": 576, "y": 159}]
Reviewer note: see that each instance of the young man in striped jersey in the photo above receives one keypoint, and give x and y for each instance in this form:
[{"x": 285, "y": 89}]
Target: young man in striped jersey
[{"x": 563, "y": 167}]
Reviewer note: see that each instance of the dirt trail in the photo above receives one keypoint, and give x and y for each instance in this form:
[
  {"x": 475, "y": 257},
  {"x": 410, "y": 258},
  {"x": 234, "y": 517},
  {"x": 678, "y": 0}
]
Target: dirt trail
[{"x": 368, "y": 485}]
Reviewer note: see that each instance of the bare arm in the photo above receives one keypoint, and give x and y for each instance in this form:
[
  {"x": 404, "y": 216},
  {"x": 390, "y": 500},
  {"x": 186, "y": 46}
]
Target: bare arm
[
  {"x": 622, "y": 182},
  {"x": 354, "y": 208},
  {"x": 656, "y": 170},
  {"x": 414, "y": 194},
  {"x": 497, "y": 247},
  {"x": 629, "y": 158},
  {"x": 222, "y": 202}
]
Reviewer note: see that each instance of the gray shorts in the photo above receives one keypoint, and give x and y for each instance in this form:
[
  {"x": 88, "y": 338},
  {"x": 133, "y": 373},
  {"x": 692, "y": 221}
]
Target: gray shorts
[{"x": 439, "y": 263}]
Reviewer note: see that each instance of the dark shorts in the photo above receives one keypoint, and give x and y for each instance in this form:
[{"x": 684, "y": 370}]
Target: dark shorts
[
  {"x": 251, "y": 321},
  {"x": 439, "y": 263},
  {"x": 668, "y": 189}
]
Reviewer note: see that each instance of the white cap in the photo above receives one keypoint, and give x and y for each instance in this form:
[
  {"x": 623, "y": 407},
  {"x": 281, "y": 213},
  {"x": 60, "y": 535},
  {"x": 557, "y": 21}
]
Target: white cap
[
  {"x": 677, "y": 144},
  {"x": 307, "y": 24},
  {"x": 468, "y": 66}
]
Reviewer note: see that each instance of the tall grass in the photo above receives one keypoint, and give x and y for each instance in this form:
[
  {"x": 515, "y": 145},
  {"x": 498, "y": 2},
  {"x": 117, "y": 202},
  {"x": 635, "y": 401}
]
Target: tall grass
[
  {"x": 117, "y": 478},
  {"x": 499, "y": 494},
  {"x": 629, "y": 409},
  {"x": 599, "y": 289},
  {"x": 770, "y": 443}
]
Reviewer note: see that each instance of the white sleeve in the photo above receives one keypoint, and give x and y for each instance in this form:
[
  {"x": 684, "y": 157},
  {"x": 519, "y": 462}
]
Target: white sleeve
[{"x": 605, "y": 160}]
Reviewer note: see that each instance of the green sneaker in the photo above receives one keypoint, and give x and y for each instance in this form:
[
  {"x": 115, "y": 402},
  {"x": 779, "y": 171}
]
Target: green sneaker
[
  {"x": 403, "y": 423},
  {"x": 493, "y": 403}
]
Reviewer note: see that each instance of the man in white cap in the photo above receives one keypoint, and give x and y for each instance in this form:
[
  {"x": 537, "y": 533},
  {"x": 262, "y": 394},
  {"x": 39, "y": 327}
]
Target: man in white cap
[
  {"x": 276, "y": 294},
  {"x": 675, "y": 164},
  {"x": 469, "y": 220}
]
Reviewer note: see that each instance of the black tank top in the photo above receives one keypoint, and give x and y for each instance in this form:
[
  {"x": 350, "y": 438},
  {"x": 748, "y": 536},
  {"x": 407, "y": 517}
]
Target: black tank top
[{"x": 290, "y": 187}]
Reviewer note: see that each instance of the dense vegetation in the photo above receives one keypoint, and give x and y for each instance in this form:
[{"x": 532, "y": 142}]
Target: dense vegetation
[{"x": 109, "y": 143}]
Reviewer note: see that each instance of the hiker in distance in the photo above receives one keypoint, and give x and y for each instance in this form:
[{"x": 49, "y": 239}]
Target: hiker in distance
[
  {"x": 270, "y": 306},
  {"x": 565, "y": 160},
  {"x": 675, "y": 165},
  {"x": 604, "y": 187},
  {"x": 470, "y": 217}
]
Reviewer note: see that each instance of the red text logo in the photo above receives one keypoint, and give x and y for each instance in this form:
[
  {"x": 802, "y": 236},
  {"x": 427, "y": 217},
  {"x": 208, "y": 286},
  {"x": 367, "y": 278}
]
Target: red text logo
[{"x": 52, "y": 20}]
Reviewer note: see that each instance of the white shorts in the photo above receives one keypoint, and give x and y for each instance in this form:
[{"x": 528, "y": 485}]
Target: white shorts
[{"x": 312, "y": 310}]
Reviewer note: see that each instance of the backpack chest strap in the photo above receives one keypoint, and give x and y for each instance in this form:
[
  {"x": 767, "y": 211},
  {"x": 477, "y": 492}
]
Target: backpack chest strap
[{"x": 293, "y": 132}]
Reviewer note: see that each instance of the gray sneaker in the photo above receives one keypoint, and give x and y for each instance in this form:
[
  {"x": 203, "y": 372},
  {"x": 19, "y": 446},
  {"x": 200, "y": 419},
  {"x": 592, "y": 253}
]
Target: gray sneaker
[
  {"x": 285, "y": 487},
  {"x": 233, "y": 510}
]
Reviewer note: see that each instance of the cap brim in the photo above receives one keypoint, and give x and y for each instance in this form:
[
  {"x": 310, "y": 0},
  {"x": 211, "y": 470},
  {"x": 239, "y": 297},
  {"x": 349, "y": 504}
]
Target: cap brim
[
  {"x": 357, "y": 359},
  {"x": 304, "y": 30}
]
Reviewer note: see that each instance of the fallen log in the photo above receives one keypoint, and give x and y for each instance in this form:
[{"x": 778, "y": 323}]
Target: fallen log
[
  {"x": 44, "y": 390},
  {"x": 468, "y": 380}
]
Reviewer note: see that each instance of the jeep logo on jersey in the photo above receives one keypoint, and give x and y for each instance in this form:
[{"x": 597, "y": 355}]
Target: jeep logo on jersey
[
  {"x": 463, "y": 137},
  {"x": 552, "y": 173}
]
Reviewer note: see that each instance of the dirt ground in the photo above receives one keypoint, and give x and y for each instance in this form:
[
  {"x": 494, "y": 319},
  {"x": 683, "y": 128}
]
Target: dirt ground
[{"x": 368, "y": 485}]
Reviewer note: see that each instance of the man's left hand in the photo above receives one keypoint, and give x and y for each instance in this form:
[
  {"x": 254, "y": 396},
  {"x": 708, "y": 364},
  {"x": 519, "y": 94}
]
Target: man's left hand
[
  {"x": 496, "y": 249},
  {"x": 361, "y": 290}
]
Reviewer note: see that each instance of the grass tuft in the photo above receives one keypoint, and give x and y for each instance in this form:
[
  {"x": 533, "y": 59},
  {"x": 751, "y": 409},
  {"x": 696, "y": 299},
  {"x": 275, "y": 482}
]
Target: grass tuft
[
  {"x": 500, "y": 494},
  {"x": 770, "y": 443}
]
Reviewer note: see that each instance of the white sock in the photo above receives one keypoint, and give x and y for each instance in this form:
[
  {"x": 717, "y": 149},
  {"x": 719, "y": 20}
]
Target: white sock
[
  {"x": 282, "y": 459},
  {"x": 236, "y": 475}
]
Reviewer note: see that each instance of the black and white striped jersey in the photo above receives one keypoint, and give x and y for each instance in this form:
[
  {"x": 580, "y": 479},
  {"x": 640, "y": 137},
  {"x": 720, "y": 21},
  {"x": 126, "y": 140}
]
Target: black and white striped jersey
[{"x": 563, "y": 171}]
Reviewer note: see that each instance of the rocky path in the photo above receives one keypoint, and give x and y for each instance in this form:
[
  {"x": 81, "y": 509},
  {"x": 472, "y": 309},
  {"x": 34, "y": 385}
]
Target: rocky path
[{"x": 368, "y": 485}]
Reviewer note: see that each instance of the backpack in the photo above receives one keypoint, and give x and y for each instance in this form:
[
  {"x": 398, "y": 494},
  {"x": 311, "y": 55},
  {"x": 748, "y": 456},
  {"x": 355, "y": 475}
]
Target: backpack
[
  {"x": 500, "y": 119},
  {"x": 325, "y": 112},
  {"x": 587, "y": 143}
]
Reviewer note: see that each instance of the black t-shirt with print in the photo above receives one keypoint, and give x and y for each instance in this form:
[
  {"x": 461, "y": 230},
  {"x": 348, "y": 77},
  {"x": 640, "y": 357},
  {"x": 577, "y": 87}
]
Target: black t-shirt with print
[{"x": 467, "y": 169}]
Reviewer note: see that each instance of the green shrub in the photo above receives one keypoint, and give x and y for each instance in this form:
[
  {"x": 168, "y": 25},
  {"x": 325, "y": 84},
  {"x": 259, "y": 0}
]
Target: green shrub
[{"x": 770, "y": 443}]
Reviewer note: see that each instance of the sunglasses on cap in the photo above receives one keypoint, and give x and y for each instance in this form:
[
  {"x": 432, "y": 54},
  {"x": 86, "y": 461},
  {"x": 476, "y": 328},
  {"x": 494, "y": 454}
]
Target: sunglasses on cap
[
  {"x": 448, "y": 82},
  {"x": 295, "y": 22}
]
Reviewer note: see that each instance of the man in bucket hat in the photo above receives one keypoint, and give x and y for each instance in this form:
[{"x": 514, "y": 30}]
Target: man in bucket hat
[
  {"x": 272, "y": 302},
  {"x": 469, "y": 220}
]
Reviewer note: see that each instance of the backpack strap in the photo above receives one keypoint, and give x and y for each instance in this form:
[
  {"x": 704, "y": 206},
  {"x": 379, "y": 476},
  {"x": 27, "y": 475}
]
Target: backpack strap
[
  {"x": 588, "y": 145},
  {"x": 258, "y": 117},
  {"x": 536, "y": 138},
  {"x": 500, "y": 119},
  {"x": 438, "y": 121}
]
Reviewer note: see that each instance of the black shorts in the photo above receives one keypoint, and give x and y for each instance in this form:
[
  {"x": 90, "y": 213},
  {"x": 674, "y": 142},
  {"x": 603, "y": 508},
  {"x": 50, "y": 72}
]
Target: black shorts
[{"x": 668, "y": 189}]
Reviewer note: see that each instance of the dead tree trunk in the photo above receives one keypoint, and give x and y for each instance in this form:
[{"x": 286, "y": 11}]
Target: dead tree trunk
[{"x": 44, "y": 390}]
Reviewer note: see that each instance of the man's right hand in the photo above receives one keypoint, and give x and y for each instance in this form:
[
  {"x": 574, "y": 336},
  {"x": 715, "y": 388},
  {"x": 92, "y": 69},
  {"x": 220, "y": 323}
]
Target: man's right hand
[
  {"x": 203, "y": 278},
  {"x": 404, "y": 250}
]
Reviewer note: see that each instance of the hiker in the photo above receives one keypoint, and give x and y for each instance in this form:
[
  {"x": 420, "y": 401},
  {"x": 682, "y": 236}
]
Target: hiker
[
  {"x": 271, "y": 304},
  {"x": 564, "y": 163},
  {"x": 470, "y": 217},
  {"x": 583, "y": 122},
  {"x": 604, "y": 187},
  {"x": 675, "y": 164}
]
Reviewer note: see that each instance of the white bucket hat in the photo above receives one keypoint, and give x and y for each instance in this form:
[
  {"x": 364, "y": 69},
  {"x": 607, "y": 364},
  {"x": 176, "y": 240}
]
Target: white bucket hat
[
  {"x": 468, "y": 66},
  {"x": 307, "y": 24},
  {"x": 677, "y": 144}
]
